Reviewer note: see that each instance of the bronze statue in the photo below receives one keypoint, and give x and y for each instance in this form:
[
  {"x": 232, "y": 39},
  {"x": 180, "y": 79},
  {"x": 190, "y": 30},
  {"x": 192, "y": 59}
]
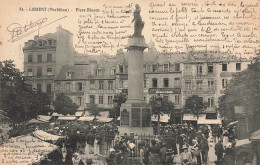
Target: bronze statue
[{"x": 139, "y": 24}]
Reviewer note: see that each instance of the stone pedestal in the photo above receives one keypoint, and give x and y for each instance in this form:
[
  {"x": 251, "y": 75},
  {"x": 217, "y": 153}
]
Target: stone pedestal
[{"x": 135, "y": 114}]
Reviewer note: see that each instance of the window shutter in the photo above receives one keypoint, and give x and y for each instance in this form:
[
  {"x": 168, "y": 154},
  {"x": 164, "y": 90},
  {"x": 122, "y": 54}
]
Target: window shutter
[{"x": 83, "y": 86}]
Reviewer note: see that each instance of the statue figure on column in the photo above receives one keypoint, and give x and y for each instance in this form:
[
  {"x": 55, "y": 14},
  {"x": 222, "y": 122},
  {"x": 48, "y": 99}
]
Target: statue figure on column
[{"x": 139, "y": 24}]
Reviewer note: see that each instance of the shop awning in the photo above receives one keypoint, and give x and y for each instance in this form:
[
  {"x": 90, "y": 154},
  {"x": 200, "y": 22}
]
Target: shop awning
[
  {"x": 44, "y": 118},
  {"x": 46, "y": 136},
  {"x": 34, "y": 121},
  {"x": 202, "y": 120},
  {"x": 118, "y": 118},
  {"x": 79, "y": 113},
  {"x": 232, "y": 123},
  {"x": 87, "y": 118},
  {"x": 67, "y": 118},
  {"x": 243, "y": 142},
  {"x": 255, "y": 136},
  {"x": 104, "y": 119},
  {"x": 163, "y": 118},
  {"x": 56, "y": 114},
  {"x": 21, "y": 147},
  {"x": 104, "y": 114},
  {"x": 189, "y": 117}
]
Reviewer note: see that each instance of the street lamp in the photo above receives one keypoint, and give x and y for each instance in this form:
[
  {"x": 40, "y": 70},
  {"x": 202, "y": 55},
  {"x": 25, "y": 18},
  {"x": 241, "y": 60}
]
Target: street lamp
[
  {"x": 115, "y": 104},
  {"x": 158, "y": 104}
]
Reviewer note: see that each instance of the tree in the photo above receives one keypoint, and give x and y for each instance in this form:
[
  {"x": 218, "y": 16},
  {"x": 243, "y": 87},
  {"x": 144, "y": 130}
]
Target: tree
[
  {"x": 243, "y": 90},
  {"x": 166, "y": 107},
  {"x": 17, "y": 98},
  {"x": 64, "y": 105},
  {"x": 194, "y": 104},
  {"x": 119, "y": 100},
  {"x": 94, "y": 110}
]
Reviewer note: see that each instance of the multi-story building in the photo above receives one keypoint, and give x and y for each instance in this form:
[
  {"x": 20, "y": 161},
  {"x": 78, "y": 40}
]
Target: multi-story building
[
  {"x": 50, "y": 61},
  {"x": 45, "y": 56}
]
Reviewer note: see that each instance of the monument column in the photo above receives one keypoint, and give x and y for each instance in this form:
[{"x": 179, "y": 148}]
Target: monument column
[{"x": 135, "y": 114}]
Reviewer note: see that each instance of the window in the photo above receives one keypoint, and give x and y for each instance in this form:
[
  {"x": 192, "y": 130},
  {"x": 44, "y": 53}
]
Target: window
[
  {"x": 210, "y": 68},
  {"x": 92, "y": 84},
  {"x": 166, "y": 67},
  {"x": 110, "y": 99},
  {"x": 40, "y": 43},
  {"x": 210, "y": 84},
  {"x": 121, "y": 84},
  {"x": 224, "y": 83},
  {"x": 58, "y": 86},
  {"x": 68, "y": 75},
  {"x": 49, "y": 57},
  {"x": 39, "y": 71},
  {"x": 177, "y": 82},
  {"x": 48, "y": 89},
  {"x": 188, "y": 69},
  {"x": 155, "y": 67},
  {"x": 224, "y": 67},
  {"x": 146, "y": 115},
  {"x": 49, "y": 42},
  {"x": 39, "y": 58},
  {"x": 92, "y": 99},
  {"x": 177, "y": 99},
  {"x": 101, "y": 85},
  {"x": 177, "y": 67},
  {"x": 144, "y": 66},
  {"x": 49, "y": 71},
  {"x": 121, "y": 69},
  {"x": 100, "y": 100},
  {"x": 67, "y": 86},
  {"x": 166, "y": 82},
  {"x": 30, "y": 58},
  {"x": 110, "y": 84},
  {"x": 211, "y": 102},
  {"x": 188, "y": 84},
  {"x": 99, "y": 71},
  {"x": 79, "y": 101},
  {"x": 113, "y": 71},
  {"x": 144, "y": 83},
  {"x": 39, "y": 88},
  {"x": 199, "y": 69},
  {"x": 199, "y": 84},
  {"x": 30, "y": 73},
  {"x": 154, "y": 83},
  {"x": 238, "y": 66},
  {"x": 80, "y": 87}
]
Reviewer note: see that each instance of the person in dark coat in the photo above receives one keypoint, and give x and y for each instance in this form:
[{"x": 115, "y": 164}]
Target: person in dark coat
[
  {"x": 229, "y": 157},
  {"x": 219, "y": 151},
  {"x": 162, "y": 153}
]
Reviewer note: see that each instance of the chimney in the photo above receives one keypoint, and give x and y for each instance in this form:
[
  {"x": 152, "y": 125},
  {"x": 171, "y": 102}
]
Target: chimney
[{"x": 93, "y": 67}]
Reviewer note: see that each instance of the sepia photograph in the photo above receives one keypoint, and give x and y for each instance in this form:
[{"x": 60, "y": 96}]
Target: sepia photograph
[{"x": 116, "y": 82}]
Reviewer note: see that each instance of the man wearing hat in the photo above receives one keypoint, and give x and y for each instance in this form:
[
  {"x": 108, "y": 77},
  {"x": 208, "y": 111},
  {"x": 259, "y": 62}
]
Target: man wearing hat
[
  {"x": 153, "y": 159},
  {"x": 162, "y": 153},
  {"x": 219, "y": 150},
  {"x": 111, "y": 159},
  {"x": 169, "y": 157}
]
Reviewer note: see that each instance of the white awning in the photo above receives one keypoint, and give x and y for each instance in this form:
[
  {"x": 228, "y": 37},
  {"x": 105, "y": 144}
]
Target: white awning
[
  {"x": 79, "y": 113},
  {"x": 189, "y": 117},
  {"x": 67, "y": 118},
  {"x": 240, "y": 143},
  {"x": 44, "y": 118},
  {"x": 22, "y": 146},
  {"x": 163, "y": 118},
  {"x": 104, "y": 114},
  {"x": 202, "y": 120},
  {"x": 33, "y": 121},
  {"x": 46, "y": 136},
  {"x": 118, "y": 118},
  {"x": 87, "y": 118},
  {"x": 104, "y": 119},
  {"x": 56, "y": 114}
]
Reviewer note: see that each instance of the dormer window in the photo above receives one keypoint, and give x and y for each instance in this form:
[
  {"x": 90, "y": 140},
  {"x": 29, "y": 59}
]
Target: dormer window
[
  {"x": 99, "y": 71},
  {"x": 113, "y": 71},
  {"x": 40, "y": 43},
  {"x": 49, "y": 71},
  {"x": 68, "y": 75},
  {"x": 49, "y": 42}
]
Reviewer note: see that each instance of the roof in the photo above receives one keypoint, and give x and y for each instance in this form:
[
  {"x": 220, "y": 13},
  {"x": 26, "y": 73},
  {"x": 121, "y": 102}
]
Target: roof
[
  {"x": 163, "y": 118},
  {"x": 79, "y": 72}
]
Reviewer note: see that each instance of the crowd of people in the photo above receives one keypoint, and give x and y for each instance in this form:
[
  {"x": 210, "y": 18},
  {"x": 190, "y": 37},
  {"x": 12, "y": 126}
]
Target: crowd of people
[{"x": 177, "y": 144}]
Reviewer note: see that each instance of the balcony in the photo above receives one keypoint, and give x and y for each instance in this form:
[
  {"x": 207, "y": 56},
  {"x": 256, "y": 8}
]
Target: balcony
[{"x": 197, "y": 91}]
